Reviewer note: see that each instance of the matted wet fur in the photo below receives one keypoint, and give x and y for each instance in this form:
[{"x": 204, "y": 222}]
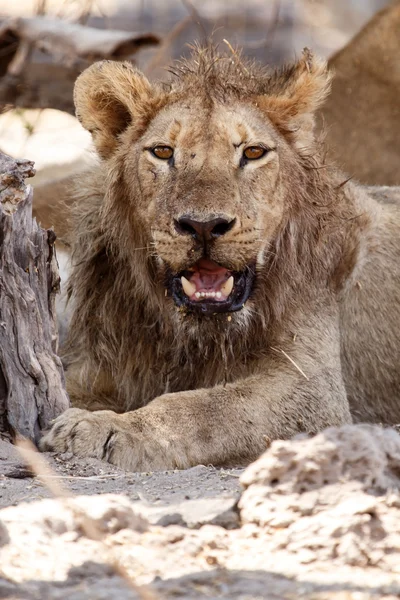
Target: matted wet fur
[{"x": 210, "y": 181}]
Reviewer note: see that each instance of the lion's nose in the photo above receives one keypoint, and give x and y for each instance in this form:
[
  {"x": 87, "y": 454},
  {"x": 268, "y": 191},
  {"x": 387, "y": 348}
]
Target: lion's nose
[{"x": 204, "y": 231}]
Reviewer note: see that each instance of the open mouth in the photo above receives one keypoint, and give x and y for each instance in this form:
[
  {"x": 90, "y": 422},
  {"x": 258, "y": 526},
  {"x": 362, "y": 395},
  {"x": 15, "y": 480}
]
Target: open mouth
[{"x": 209, "y": 288}]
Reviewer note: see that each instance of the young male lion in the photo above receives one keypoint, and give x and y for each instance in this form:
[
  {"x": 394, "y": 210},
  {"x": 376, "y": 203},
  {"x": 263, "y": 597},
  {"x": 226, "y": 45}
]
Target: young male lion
[{"x": 228, "y": 287}]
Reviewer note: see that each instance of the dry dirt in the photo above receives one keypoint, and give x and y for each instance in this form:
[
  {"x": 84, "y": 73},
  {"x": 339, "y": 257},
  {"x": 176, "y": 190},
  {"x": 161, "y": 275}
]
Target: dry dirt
[
  {"x": 317, "y": 518},
  {"x": 155, "y": 492}
]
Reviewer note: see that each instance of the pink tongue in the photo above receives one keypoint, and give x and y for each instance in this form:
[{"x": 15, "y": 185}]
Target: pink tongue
[{"x": 208, "y": 275}]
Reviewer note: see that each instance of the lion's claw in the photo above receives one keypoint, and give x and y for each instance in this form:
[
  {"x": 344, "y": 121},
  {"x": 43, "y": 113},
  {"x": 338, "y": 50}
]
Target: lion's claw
[{"x": 81, "y": 432}]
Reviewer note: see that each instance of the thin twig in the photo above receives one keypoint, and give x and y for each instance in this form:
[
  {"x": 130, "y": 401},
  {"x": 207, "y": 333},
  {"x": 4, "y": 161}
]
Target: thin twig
[{"x": 291, "y": 360}]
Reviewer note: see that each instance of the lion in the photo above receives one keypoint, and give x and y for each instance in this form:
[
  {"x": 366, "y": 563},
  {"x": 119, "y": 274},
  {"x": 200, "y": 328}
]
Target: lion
[
  {"x": 361, "y": 116},
  {"x": 228, "y": 286}
]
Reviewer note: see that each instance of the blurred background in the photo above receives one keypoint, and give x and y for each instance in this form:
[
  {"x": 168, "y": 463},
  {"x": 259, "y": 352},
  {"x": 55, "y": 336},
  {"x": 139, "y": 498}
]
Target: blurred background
[{"x": 44, "y": 44}]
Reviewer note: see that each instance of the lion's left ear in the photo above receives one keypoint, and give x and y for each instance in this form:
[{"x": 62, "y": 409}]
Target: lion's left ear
[
  {"x": 293, "y": 94},
  {"x": 109, "y": 96}
]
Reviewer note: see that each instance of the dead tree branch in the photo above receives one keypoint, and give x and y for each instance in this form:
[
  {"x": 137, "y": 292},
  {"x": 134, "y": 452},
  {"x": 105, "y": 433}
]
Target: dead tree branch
[
  {"x": 32, "y": 390},
  {"x": 41, "y": 57}
]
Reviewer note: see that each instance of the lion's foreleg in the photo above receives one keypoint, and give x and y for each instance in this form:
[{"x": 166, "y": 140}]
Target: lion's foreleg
[
  {"x": 223, "y": 425},
  {"x": 228, "y": 425}
]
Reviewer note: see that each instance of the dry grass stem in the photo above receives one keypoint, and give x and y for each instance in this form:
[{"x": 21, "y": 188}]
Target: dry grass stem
[
  {"x": 280, "y": 351},
  {"x": 39, "y": 466},
  {"x": 235, "y": 55},
  {"x": 41, "y": 469}
]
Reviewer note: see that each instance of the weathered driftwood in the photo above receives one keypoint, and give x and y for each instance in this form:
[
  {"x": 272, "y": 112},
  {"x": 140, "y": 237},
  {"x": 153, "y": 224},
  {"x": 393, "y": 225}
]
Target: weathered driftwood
[
  {"x": 41, "y": 57},
  {"x": 32, "y": 390},
  {"x": 70, "y": 41}
]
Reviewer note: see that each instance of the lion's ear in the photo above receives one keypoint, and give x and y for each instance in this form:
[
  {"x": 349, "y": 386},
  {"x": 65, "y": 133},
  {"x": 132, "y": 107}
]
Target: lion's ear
[
  {"x": 293, "y": 94},
  {"x": 108, "y": 97}
]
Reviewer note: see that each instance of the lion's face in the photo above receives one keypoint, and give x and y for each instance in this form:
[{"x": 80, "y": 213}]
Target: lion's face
[
  {"x": 200, "y": 171},
  {"x": 209, "y": 196}
]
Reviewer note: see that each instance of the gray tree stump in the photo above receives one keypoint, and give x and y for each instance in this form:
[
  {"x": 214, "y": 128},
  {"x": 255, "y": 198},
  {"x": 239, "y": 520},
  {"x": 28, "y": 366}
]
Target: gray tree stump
[{"x": 32, "y": 390}]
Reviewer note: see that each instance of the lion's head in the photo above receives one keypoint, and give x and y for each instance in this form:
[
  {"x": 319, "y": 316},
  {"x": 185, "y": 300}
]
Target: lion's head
[{"x": 209, "y": 174}]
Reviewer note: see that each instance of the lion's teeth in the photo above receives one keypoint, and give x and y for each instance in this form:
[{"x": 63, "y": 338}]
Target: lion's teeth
[
  {"x": 227, "y": 287},
  {"x": 188, "y": 288},
  {"x": 208, "y": 295}
]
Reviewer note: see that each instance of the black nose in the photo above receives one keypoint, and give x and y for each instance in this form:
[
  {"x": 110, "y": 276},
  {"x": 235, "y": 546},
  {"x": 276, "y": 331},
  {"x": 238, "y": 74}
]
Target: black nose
[{"x": 204, "y": 231}]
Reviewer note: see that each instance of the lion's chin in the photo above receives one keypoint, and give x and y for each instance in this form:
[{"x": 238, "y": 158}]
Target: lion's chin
[{"x": 208, "y": 288}]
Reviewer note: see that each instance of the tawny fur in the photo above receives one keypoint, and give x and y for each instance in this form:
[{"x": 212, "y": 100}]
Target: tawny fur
[
  {"x": 361, "y": 117},
  {"x": 317, "y": 343}
]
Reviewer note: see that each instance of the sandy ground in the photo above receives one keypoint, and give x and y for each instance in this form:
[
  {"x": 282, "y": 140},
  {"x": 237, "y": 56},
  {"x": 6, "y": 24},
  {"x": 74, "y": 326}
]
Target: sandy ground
[
  {"x": 152, "y": 491},
  {"x": 317, "y": 518}
]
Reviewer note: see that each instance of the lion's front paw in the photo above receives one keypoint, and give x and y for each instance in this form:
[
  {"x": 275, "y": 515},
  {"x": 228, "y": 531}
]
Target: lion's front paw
[
  {"x": 128, "y": 440},
  {"x": 81, "y": 432}
]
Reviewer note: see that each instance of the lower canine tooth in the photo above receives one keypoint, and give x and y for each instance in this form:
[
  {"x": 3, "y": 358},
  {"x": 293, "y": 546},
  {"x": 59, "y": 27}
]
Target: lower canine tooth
[
  {"x": 218, "y": 295},
  {"x": 188, "y": 288},
  {"x": 227, "y": 287},
  {"x": 197, "y": 294}
]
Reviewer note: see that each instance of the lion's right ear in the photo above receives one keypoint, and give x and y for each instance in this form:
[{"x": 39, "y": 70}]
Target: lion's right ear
[
  {"x": 293, "y": 94},
  {"x": 108, "y": 97}
]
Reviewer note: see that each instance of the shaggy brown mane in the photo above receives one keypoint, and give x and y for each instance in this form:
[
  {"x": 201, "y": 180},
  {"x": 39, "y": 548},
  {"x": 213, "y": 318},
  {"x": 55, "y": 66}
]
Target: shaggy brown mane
[
  {"x": 106, "y": 280},
  {"x": 224, "y": 75}
]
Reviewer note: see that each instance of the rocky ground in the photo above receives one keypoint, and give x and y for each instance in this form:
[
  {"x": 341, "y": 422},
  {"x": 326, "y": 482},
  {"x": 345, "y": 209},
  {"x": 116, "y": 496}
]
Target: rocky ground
[{"x": 313, "y": 518}]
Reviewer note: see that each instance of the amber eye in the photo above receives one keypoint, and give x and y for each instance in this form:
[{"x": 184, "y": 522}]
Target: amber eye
[
  {"x": 163, "y": 152},
  {"x": 254, "y": 152}
]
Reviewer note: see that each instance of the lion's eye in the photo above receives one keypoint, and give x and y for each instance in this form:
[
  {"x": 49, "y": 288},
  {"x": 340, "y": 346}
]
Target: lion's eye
[
  {"x": 163, "y": 152},
  {"x": 254, "y": 152}
]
